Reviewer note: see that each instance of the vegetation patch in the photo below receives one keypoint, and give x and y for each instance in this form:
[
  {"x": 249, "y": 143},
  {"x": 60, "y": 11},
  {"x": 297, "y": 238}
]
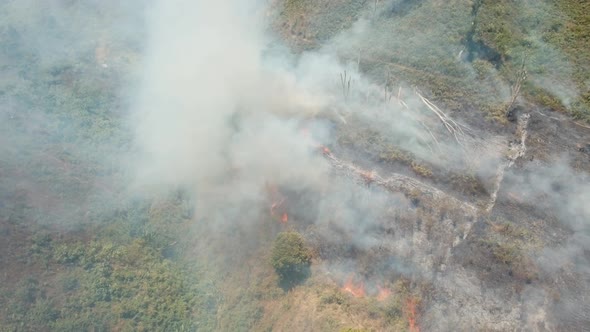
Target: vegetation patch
[
  {"x": 290, "y": 258},
  {"x": 107, "y": 285}
]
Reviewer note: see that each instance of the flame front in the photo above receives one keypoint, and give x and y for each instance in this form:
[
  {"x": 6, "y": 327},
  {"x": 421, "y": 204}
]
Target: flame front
[
  {"x": 368, "y": 176},
  {"x": 305, "y": 132},
  {"x": 285, "y": 218},
  {"x": 354, "y": 289},
  {"x": 383, "y": 293}
]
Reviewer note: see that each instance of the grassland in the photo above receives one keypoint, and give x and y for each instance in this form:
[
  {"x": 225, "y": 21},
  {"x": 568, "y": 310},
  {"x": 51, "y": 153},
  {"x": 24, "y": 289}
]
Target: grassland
[{"x": 466, "y": 54}]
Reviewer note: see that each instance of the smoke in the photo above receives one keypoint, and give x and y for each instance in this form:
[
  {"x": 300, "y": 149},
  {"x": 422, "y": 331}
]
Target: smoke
[
  {"x": 565, "y": 192},
  {"x": 560, "y": 193},
  {"x": 219, "y": 106},
  {"x": 209, "y": 69},
  {"x": 209, "y": 105},
  {"x": 62, "y": 105},
  {"x": 223, "y": 109}
]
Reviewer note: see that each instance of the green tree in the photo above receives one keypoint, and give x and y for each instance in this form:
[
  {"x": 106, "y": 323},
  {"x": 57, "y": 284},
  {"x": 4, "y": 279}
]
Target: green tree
[{"x": 291, "y": 259}]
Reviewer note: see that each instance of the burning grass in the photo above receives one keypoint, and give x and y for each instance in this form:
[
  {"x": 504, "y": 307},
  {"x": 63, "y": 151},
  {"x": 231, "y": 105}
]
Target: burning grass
[
  {"x": 383, "y": 293},
  {"x": 411, "y": 313},
  {"x": 356, "y": 289},
  {"x": 397, "y": 305},
  {"x": 278, "y": 205}
]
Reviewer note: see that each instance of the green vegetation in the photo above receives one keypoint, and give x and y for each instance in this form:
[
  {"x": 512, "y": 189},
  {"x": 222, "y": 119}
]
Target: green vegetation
[
  {"x": 308, "y": 24},
  {"x": 117, "y": 281},
  {"x": 493, "y": 38},
  {"x": 550, "y": 35},
  {"x": 290, "y": 258}
]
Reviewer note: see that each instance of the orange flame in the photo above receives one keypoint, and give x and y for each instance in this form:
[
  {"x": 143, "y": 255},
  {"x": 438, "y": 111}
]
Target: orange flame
[
  {"x": 353, "y": 289},
  {"x": 277, "y": 209},
  {"x": 411, "y": 313},
  {"x": 368, "y": 176},
  {"x": 275, "y": 205},
  {"x": 383, "y": 293},
  {"x": 305, "y": 132}
]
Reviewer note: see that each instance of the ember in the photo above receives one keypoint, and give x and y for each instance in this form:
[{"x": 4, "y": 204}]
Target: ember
[
  {"x": 383, "y": 293},
  {"x": 354, "y": 289},
  {"x": 277, "y": 209},
  {"x": 275, "y": 205},
  {"x": 324, "y": 149},
  {"x": 368, "y": 176}
]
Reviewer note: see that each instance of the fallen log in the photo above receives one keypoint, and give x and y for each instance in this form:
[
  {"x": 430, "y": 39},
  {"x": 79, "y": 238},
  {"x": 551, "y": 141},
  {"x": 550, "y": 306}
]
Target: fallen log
[{"x": 397, "y": 183}]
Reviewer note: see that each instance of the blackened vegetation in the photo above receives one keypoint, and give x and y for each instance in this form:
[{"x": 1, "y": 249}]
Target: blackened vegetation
[
  {"x": 513, "y": 112},
  {"x": 495, "y": 253},
  {"x": 301, "y": 205}
]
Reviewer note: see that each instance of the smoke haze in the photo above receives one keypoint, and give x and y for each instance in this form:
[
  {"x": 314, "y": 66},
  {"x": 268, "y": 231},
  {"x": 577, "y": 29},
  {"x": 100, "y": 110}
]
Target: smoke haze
[
  {"x": 222, "y": 107},
  {"x": 385, "y": 184}
]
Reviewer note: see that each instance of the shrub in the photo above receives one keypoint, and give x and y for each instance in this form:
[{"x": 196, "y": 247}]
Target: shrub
[
  {"x": 291, "y": 259},
  {"x": 333, "y": 298}
]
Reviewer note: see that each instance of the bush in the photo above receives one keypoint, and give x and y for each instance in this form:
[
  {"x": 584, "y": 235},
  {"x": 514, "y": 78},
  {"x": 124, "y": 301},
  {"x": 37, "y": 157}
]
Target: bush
[
  {"x": 335, "y": 297},
  {"x": 291, "y": 259}
]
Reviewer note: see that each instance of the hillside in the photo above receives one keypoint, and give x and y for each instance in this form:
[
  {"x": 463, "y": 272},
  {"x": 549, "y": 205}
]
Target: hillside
[{"x": 294, "y": 165}]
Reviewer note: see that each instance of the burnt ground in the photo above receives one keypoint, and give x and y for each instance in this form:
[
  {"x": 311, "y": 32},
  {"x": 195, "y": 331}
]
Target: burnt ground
[
  {"x": 485, "y": 272},
  {"x": 491, "y": 265}
]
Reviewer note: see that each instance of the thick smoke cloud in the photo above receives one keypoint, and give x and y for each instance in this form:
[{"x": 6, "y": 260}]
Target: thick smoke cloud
[
  {"x": 210, "y": 69},
  {"x": 209, "y": 105},
  {"x": 223, "y": 109}
]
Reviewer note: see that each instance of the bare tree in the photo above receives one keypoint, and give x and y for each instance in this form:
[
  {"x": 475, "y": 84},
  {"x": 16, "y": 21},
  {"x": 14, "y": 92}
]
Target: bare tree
[
  {"x": 515, "y": 90},
  {"x": 345, "y": 79}
]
